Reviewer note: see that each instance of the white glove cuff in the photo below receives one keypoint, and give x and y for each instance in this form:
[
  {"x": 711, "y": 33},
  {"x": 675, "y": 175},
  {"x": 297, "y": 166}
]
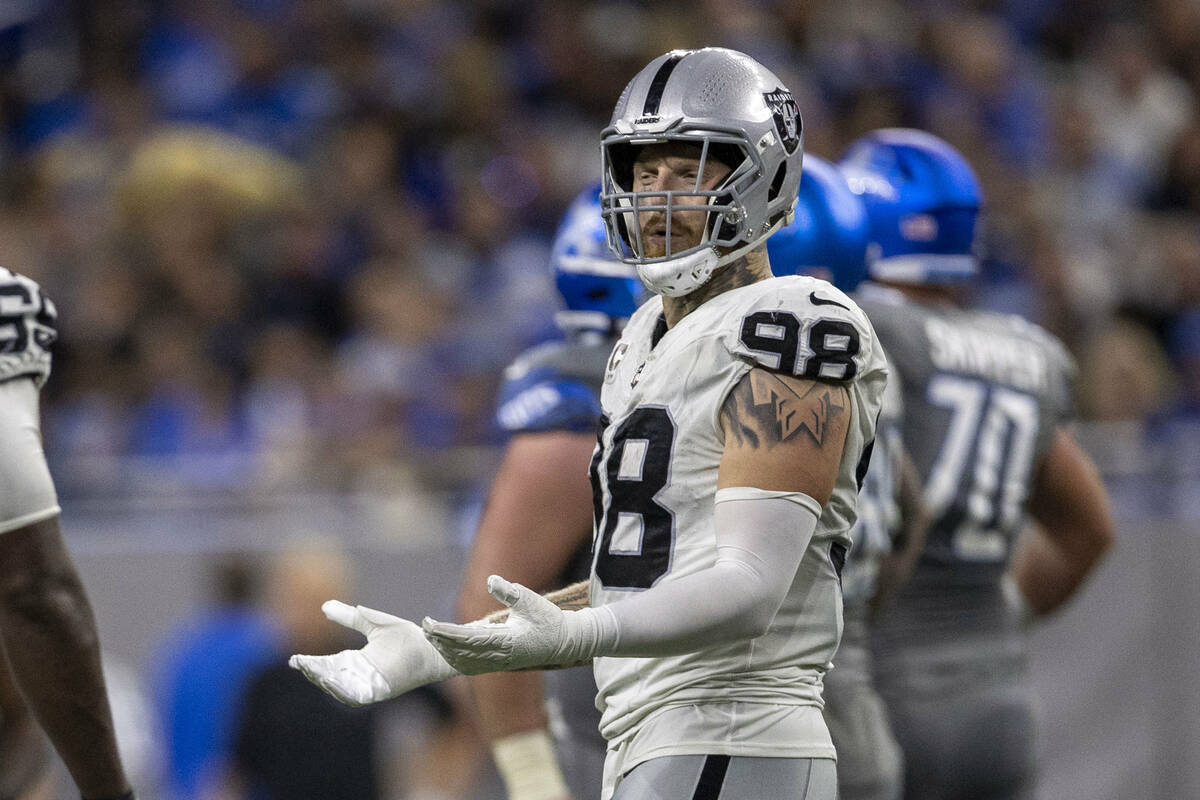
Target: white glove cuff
[{"x": 586, "y": 632}]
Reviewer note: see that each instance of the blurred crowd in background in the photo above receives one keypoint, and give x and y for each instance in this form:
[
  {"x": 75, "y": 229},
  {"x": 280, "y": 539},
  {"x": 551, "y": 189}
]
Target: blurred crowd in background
[{"x": 294, "y": 242}]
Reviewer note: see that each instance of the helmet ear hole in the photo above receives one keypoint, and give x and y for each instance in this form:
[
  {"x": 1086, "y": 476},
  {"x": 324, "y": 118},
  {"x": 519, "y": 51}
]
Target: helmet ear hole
[
  {"x": 728, "y": 154},
  {"x": 623, "y": 157},
  {"x": 777, "y": 182}
]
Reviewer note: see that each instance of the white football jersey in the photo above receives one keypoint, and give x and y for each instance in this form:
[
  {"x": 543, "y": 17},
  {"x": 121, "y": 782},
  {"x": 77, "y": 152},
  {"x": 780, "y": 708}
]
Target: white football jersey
[{"x": 654, "y": 474}]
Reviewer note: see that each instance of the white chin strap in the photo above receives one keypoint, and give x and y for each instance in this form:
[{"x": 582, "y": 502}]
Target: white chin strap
[{"x": 675, "y": 277}]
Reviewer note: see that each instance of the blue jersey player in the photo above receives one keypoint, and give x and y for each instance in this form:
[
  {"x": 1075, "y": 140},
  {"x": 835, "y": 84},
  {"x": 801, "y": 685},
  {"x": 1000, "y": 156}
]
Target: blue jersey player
[{"x": 987, "y": 404}]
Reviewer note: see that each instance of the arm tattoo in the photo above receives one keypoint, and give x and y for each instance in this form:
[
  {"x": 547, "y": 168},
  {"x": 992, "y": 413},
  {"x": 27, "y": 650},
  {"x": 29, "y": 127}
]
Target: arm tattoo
[
  {"x": 766, "y": 410},
  {"x": 750, "y": 268}
]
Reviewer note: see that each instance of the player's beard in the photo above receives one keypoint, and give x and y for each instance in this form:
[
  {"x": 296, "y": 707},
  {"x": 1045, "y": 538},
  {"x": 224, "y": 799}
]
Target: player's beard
[{"x": 682, "y": 237}]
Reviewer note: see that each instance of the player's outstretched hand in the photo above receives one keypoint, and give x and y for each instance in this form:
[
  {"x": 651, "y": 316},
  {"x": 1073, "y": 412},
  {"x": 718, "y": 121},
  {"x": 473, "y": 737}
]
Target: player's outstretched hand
[
  {"x": 395, "y": 660},
  {"x": 537, "y": 633}
]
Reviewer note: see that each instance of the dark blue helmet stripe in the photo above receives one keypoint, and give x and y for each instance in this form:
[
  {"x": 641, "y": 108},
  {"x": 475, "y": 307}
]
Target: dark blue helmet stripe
[{"x": 654, "y": 95}]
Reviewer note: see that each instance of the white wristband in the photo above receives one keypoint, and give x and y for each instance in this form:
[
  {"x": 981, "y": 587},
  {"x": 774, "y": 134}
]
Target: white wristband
[{"x": 527, "y": 763}]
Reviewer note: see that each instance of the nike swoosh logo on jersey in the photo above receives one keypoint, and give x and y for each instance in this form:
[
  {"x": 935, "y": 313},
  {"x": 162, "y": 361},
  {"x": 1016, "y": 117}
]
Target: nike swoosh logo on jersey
[{"x": 820, "y": 301}]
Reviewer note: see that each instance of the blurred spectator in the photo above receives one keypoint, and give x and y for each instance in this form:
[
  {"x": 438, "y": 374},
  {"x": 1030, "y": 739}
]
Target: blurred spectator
[
  {"x": 201, "y": 673},
  {"x": 277, "y": 229},
  {"x": 1180, "y": 187},
  {"x": 1124, "y": 375},
  {"x": 1184, "y": 345},
  {"x": 292, "y": 743},
  {"x": 1141, "y": 105}
]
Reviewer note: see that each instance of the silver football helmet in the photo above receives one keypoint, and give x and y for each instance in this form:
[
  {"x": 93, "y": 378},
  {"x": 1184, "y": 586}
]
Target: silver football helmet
[{"x": 737, "y": 112}]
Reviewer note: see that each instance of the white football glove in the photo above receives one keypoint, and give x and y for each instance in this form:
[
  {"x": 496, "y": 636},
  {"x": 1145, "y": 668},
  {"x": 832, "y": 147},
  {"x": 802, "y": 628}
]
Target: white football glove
[
  {"x": 537, "y": 633},
  {"x": 395, "y": 660}
]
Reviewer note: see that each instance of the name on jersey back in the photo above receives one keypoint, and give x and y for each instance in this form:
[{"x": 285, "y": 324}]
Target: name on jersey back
[{"x": 1011, "y": 360}]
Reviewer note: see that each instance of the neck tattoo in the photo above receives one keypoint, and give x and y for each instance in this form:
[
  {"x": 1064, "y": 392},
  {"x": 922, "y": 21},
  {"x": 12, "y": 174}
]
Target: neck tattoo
[{"x": 750, "y": 268}]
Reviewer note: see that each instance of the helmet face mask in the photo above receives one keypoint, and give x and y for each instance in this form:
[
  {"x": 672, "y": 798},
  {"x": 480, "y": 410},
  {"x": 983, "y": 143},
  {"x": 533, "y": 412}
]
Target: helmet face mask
[
  {"x": 730, "y": 109},
  {"x": 726, "y": 221}
]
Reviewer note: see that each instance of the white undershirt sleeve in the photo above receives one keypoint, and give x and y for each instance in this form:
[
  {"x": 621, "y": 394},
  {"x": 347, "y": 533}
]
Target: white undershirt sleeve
[{"x": 761, "y": 537}]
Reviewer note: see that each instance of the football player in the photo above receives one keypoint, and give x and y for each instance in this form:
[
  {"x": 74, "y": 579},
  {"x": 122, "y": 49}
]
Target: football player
[
  {"x": 829, "y": 238},
  {"x": 46, "y": 625},
  {"x": 738, "y": 409},
  {"x": 537, "y": 524},
  {"x": 988, "y": 400}
]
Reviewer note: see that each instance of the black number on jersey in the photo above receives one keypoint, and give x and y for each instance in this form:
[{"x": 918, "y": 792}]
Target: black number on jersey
[
  {"x": 594, "y": 474},
  {"x": 637, "y": 469},
  {"x": 14, "y": 331},
  {"x": 834, "y": 344},
  {"x": 829, "y": 345},
  {"x": 33, "y": 315}
]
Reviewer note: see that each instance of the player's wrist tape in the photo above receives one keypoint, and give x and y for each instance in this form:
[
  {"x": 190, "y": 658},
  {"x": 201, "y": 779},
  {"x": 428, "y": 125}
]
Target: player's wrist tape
[{"x": 528, "y": 766}]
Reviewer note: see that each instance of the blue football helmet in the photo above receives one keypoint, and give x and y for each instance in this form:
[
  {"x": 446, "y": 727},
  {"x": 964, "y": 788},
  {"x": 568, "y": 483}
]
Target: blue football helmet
[
  {"x": 923, "y": 201},
  {"x": 829, "y": 234},
  {"x": 600, "y": 291}
]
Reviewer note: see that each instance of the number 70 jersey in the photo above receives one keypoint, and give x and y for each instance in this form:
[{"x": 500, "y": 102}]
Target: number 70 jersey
[
  {"x": 983, "y": 396},
  {"x": 654, "y": 478}
]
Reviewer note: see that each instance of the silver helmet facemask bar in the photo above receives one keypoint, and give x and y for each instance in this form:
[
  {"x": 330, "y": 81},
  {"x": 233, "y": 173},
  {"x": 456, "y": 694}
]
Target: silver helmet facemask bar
[{"x": 726, "y": 225}]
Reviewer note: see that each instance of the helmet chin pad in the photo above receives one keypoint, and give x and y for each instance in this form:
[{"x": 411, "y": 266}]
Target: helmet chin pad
[
  {"x": 679, "y": 276},
  {"x": 676, "y": 277}
]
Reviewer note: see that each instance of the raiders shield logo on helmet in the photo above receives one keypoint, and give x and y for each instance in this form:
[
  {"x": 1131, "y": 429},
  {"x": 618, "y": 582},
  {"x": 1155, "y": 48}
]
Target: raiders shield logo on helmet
[{"x": 787, "y": 117}]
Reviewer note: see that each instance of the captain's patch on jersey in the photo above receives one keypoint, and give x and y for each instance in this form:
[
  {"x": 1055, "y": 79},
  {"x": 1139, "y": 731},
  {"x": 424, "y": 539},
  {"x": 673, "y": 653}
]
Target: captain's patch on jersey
[{"x": 614, "y": 361}]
